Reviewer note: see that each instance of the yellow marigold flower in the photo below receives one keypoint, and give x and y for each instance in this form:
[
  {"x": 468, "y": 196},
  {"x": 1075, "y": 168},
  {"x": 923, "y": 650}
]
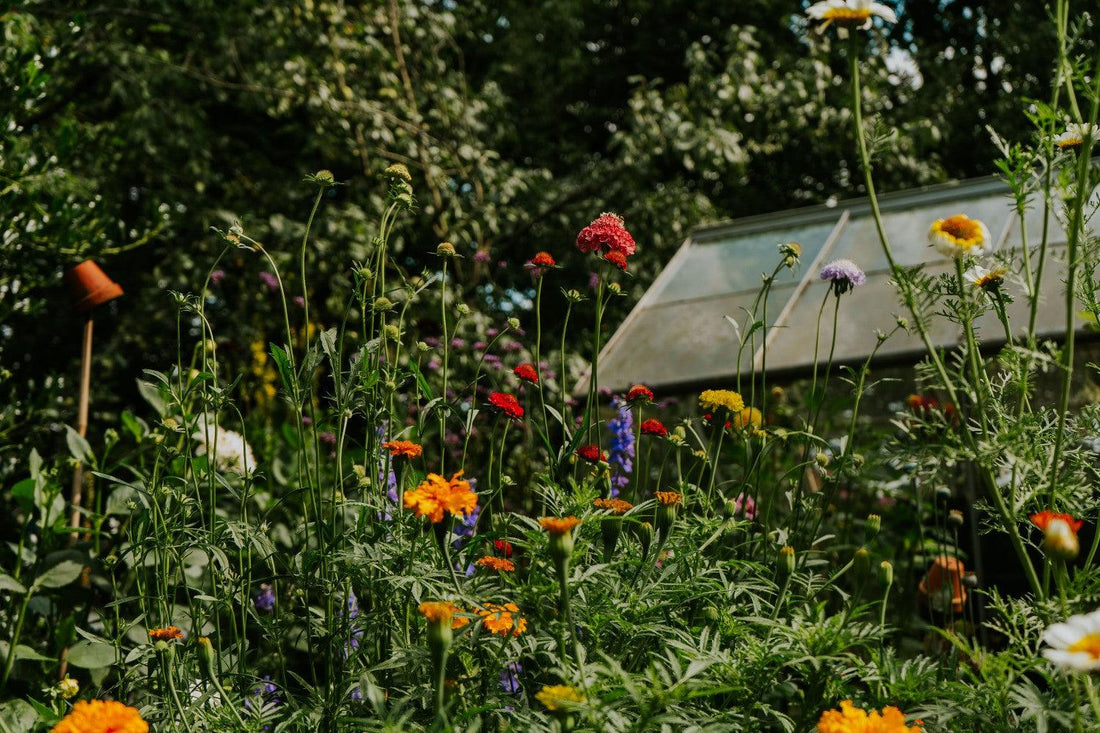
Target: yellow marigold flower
[
  {"x": 101, "y": 716},
  {"x": 750, "y": 417},
  {"x": 712, "y": 399},
  {"x": 559, "y": 698},
  {"x": 436, "y": 495},
  {"x": 403, "y": 448},
  {"x": 441, "y": 612},
  {"x": 615, "y": 506},
  {"x": 958, "y": 236},
  {"x": 559, "y": 525},
  {"x": 500, "y": 619},
  {"x": 165, "y": 634},
  {"x": 850, "y": 719},
  {"x": 669, "y": 498},
  {"x": 495, "y": 563}
]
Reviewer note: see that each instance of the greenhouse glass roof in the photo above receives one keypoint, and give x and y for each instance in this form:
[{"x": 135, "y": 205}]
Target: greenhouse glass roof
[{"x": 680, "y": 336}]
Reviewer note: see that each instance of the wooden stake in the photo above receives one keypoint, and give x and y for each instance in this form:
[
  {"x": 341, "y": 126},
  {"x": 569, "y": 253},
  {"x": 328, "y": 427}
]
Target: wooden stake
[{"x": 82, "y": 422}]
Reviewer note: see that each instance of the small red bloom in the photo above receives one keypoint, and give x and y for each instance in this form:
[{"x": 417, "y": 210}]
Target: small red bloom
[
  {"x": 606, "y": 232},
  {"x": 506, "y": 403},
  {"x": 503, "y": 546},
  {"x": 639, "y": 393},
  {"x": 527, "y": 373},
  {"x": 921, "y": 404},
  {"x": 591, "y": 453},
  {"x": 616, "y": 258},
  {"x": 543, "y": 259},
  {"x": 1044, "y": 518},
  {"x": 653, "y": 426}
]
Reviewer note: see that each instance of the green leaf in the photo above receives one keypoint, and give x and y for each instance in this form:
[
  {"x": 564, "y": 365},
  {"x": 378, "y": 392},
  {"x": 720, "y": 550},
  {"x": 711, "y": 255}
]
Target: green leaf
[
  {"x": 133, "y": 425},
  {"x": 79, "y": 447},
  {"x": 91, "y": 655},
  {"x": 152, "y": 395},
  {"x": 10, "y": 584},
  {"x": 282, "y": 363},
  {"x": 23, "y": 493},
  {"x": 17, "y": 715},
  {"x": 59, "y": 575}
]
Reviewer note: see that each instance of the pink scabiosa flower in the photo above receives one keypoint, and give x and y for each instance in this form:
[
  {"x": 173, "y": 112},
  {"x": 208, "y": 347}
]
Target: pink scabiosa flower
[
  {"x": 606, "y": 233},
  {"x": 844, "y": 275}
]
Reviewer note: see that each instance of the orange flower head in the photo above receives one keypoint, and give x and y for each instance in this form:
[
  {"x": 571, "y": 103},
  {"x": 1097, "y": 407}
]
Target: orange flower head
[
  {"x": 639, "y": 393},
  {"x": 167, "y": 633},
  {"x": 850, "y": 719},
  {"x": 502, "y": 620},
  {"x": 592, "y": 453},
  {"x": 559, "y": 525},
  {"x": 403, "y": 449},
  {"x": 1059, "y": 534},
  {"x": 507, "y": 404},
  {"x": 101, "y": 716},
  {"x": 615, "y": 506},
  {"x": 1043, "y": 519},
  {"x": 527, "y": 373},
  {"x": 543, "y": 259},
  {"x": 750, "y": 417},
  {"x": 442, "y": 613},
  {"x": 499, "y": 564},
  {"x": 653, "y": 426},
  {"x": 437, "y": 494},
  {"x": 669, "y": 498}
]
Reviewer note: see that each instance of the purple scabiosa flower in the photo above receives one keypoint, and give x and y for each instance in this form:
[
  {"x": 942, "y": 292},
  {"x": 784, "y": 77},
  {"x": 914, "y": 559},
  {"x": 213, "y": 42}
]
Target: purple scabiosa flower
[
  {"x": 326, "y": 437},
  {"x": 482, "y": 255},
  {"x": 480, "y": 346},
  {"x": 217, "y": 276},
  {"x": 265, "y": 598},
  {"x": 307, "y": 420},
  {"x": 299, "y": 301},
  {"x": 843, "y": 274},
  {"x": 269, "y": 280},
  {"x": 622, "y": 445},
  {"x": 509, "y": 678},
  {"x": 492, "y": 332},
  {"x": 458, "y": 343}
]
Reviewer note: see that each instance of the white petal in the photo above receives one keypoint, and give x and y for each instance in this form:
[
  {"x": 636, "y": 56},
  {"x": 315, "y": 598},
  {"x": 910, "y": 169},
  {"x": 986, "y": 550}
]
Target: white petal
[{"x": 884, "y": 12}]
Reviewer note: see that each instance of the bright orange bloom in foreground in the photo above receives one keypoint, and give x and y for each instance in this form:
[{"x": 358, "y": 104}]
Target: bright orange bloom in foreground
[
  {"x": 437, "y": 494},
  {"x": 669, "y": 498},
  {"x": 443, "y": 612},
  {"x": 499, "y": 619},
  {"x": 1043, "y": 519},
  {"x": 559, "y": 525},
  {"x": 615, "y": 506},
  {"x": 496, "y": 563},
  {"x": 403, "y": 448},
  {"x": 102, "y": 716},
  {"x": 850, "y": 719},
  {"x": 165, "y": 634}
]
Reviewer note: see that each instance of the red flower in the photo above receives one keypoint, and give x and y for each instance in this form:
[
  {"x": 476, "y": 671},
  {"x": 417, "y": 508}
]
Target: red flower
[
  {"x": 506, "y": 403},
  {"x": 504, "y": 547},
  {"x": 921, "y": 404},
  {"x": 709, "y": 417},
  {"x": 606, "y": 232},
  {"x": 639, "y": 393},
  {"x": 527, "y": 373},
  {"x": 616, "y": 258},
  {"x": 1043, "y": 519},
  {"x": 543, "y": 259},
  {"x": 653, "y": 426},
  {"x": 591, "y": 453}
]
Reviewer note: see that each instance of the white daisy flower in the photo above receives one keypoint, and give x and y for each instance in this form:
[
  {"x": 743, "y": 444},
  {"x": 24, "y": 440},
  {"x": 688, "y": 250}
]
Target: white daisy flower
[
  {"x": 850, "y": 13},
  {"x": 984, "y": 278},
  {"x": 1074, "y": 136},
  {"x": 231, "y": 452},
  {"x": 1075, "y": 643},
  {"x": 959, "y": 235}
]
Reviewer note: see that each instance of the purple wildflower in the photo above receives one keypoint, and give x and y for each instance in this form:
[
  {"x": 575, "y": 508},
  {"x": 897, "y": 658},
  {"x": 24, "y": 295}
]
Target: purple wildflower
[
  {"x": 299, "y": 301},
  {"x": 482, "y": 255},
  {"x": 844, "y": 275},
  {"x": 744, "y": 506},
  {"x": 327, "y": 437},
  {"x": 622, "y": 445},
  {"x": 269, "y": 280},
  {"x": 509, "y": 678},
  {"x": 217, "y": 276},
  {"x": 265, "y": 598}
]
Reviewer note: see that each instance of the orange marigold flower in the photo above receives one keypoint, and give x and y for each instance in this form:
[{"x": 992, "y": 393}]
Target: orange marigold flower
[
  {"x": 443, "y": 612},
  {"x": 750, "y": 417},
  {"x": 403, "y": 448},
  {"x": 101, "y": 716},
  {"x": 639, "y": 393},
  {"x": 669, "y": 498},
  {"x": 527, "y": 373},
  {"x": 653, "y": 426},
  {"x": 850, "y": 719},
  {"x": 166, "y": 633},
  {"x": 495, "y": 563},
  {"x": 543, "y": 259},
  {"x": 592, "y": 453},
  {"x": 615, "y": 506},
  {"x": 502, "y": 620},
  {"x": 559, "y": 525},
  {"x": 507, "y": 404},
  {"x": 437, "y": 494}
]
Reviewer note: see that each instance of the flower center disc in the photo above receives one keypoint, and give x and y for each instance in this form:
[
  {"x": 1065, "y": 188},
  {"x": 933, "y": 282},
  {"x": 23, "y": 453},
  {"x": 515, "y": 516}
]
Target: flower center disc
[
  {"x": 965, "y": 231},
  {"x": 847, "y": 15},
  {"x": 1089, "y": 644}
]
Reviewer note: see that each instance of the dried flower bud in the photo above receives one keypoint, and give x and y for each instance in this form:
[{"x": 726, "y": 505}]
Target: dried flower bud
[
  {"x": 970, "y": 580},
  {"x": 398, "y": 172},
  {"x": 955, "y": 518},
  {"x": 943, "y": 494},
  {"x": 445, "y": 249}
]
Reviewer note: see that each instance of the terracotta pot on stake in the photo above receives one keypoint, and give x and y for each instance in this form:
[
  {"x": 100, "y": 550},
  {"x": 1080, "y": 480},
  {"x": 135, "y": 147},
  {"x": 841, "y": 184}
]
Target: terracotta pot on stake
[{"x": 90, "y": 288}]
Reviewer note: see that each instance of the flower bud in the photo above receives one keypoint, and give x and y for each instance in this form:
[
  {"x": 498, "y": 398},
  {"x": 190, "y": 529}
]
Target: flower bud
[
  {"x": 970, "y": 580},
  {"x": 383, "y": 304},
  {"x": 324, "y": 178},
  {"x": 462, "y": 309},
  {"x": 886, "y": 573},
  {"x": 398, "y": 172},
  {"x": 422, "y": 347},
  {"x": 874, "y": 524},
  {"x": 393, "y": 333},
  {"x": 365, "y": 273},
  {"x": 574, "y": 296},
  {"x": 955, "y": 518},
  {"x": 645, "y": 537},
  {"x": 862, "y": 561},
  {"x": 610, "y": 529},
  {"x": 1060, "y": 540},
  {"x": 943, "y": 494},
  {"x": 513, "y": 323},
  {"x": 785, "y": 565},
  {"x": 68, "y": 688},
  {"x": 445, "y": 249},
  {"x": 561, "y": 547}
]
